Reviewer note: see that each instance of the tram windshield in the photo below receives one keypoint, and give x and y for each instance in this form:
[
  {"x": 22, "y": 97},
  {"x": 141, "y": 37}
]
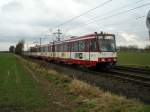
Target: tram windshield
[{"x": 107, "y": 43}]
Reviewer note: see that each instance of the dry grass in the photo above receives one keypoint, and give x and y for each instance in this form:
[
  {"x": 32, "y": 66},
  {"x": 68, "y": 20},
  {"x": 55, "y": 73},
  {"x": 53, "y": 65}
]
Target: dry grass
[
  {"x": 51, "y": 71},
  {"x": 84, "y": 89},
  {"x": 104, "y": 101},
  {"x": 93, "y": 99}
]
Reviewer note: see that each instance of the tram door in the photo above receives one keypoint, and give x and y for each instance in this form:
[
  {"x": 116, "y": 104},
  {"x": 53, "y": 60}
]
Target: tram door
[{"x": 92, "y": 49}]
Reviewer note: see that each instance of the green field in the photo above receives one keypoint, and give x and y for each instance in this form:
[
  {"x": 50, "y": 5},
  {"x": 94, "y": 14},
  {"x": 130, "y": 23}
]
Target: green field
[
  {"x": 43, "y": 89},
  {"x": 130, "y": 58},
  {"x": 18, "y": 89}
]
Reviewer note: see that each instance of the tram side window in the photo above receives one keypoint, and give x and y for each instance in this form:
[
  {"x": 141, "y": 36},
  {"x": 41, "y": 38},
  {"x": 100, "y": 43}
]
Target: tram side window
[
  {"x": 38, "y": 49},
  {"x": 49, "y": 49},
  {"x": 93, "y": 45},
  {"x": 61, "y": 47},
  {"x": 76, "y": 46},
  {"x": 56, "y": 50},
  {"x": 72, "y": 46},
  {"x": 65, "y": 47},
  {"x": 46, "y": 48},
  {"x": 81, "y": 46},
  {"x": 41, "y": 49}
]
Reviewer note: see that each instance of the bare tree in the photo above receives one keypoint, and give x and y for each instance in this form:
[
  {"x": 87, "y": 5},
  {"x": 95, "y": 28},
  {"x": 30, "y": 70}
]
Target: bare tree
[{"x": 12, "y": 49}]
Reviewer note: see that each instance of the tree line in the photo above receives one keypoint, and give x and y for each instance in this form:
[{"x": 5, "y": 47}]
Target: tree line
[
  {"x": 133, "y": 48},
  {"x": 18, "y": 49}
]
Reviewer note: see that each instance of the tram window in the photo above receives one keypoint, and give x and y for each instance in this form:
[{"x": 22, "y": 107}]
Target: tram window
[
  {"x": 42, "y": 50},
  {"x": 61, "y": 47},
  {"x": 93, "y": 45},
  {"x": 81, "y": 45},
  {"x": 46, "y": 49},
  {"x": 72, "y": 46},
  {"x": 76, "y": 46},
  {"x": 49, "y": 49},
  {"x": 65, "y": 47},
  {"x": 56, "y": 48}
]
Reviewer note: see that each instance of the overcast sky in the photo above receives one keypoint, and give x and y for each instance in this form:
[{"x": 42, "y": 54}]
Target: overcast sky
[{"x": 32, "y": 19}]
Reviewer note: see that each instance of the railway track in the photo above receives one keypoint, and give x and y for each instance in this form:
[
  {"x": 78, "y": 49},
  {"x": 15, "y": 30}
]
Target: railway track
[
  {"x": 130, "y": 76},
  {"x": 125, "y": 75},
  {"x": 117, "y": 81},
  {"x": 138, "y": 76},
  {"x": 131, "y": 69}
]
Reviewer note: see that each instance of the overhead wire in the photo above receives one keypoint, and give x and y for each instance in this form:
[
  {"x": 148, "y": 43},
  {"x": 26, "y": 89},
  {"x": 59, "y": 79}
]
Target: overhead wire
[
  {"x": 84, "y": 13},
  {"x": 120, "y": 8},
  {"x": 116, "y": 14}
]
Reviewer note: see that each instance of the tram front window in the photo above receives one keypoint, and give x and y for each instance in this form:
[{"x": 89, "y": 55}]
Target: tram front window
[{"x": 107, "y": 44}]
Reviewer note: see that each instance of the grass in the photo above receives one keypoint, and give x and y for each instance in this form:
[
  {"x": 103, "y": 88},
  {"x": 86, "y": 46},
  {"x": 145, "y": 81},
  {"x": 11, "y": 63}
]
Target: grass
[
  {"x": 131, "y": 58},
  {"x": 96, "y": 100},
  {"x": 18, "y": 89},
  {"x": 88, "y": 98}
]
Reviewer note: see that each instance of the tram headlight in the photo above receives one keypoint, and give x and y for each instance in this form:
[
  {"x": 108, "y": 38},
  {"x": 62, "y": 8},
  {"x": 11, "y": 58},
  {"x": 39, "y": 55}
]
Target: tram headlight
[
  {"x": 115, "y": 59},
  {"x": 103, "y": 59}
]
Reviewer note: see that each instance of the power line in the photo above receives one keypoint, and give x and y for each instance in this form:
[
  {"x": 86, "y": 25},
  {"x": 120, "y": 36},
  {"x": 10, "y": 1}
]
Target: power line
[
  {"x": 84, "y": 13},
  {"x": 117, "y": 14},
  {"x": 122, "y": 7},
  {"x": 140, "y": 17},
  {"x": 123, "y": 12}
]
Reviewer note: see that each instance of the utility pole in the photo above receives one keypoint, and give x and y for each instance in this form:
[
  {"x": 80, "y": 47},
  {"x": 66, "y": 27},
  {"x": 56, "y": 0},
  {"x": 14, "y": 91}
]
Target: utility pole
[
  {"x": 40, "y": 39},
  {"x": 40, "y": 43},
  {"x": 58, "y": 33}
]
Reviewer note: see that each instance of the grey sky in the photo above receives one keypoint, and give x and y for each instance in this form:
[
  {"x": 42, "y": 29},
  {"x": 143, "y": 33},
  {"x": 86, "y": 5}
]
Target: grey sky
[{"x": 31, "y": 19}]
